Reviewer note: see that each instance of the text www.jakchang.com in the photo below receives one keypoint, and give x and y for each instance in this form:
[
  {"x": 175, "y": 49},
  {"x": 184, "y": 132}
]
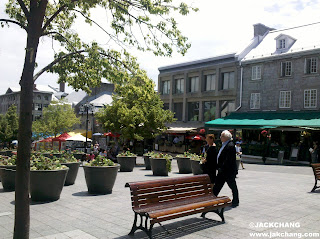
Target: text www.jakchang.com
[{"x": 285, "y": 234}]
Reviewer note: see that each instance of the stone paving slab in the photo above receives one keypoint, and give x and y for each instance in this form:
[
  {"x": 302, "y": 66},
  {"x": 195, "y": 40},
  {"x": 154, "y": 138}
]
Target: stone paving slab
[{"x": 268, "y": 194}]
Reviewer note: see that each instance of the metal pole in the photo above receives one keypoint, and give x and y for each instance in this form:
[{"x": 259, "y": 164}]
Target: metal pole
[{"x": 87, "y": 109}]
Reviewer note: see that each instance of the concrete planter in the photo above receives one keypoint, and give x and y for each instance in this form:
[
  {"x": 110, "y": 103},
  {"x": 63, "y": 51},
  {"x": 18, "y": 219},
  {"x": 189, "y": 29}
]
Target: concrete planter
[
  {"x": 72, "y": 173},
  {"x": 195, "y": 166},
  {"x": 99, "y": 179},
  {"x": 8, "y": 167},
  {"x": 147, "y": 162},
  {"x": 8, "y": 179},
  {"x": 159, "y": 166},
  {"x": 46, "y": 185},
  {"x": 184, "y": 165},
  {"x": 126, "y": 163}
]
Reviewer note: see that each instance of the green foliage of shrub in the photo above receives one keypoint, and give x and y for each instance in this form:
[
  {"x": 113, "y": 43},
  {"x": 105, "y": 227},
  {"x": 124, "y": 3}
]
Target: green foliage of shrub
[
  {"x": 39, "y": 162},
  {"x": 126, "y": 154},
  {"x": 101, "y": 161}
]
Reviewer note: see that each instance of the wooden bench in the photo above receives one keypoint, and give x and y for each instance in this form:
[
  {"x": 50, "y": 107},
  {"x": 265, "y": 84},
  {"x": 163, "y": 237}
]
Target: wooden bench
[
  {"x": 164, "y": 199},
  {"x": 316, "y": 171}
]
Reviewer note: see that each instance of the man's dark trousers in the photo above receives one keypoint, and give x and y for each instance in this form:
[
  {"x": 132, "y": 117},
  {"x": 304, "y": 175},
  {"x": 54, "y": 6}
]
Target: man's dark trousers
[{"x": 231, "y": 181}]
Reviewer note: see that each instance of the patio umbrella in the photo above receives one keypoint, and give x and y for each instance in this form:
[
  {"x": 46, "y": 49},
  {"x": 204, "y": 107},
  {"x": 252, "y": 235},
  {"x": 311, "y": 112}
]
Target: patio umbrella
[{"x": 97, "y": 134}]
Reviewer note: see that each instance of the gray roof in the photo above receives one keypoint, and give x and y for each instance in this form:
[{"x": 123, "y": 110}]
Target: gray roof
[
  {"x": 306, "y": 38},
  {"x": 76, "y": 96}
]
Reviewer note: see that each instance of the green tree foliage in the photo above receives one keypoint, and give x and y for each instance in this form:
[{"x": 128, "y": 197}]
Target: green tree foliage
[
  {"x": 147, "y": 25},
  {"x": 57, "y": 118},
  {"x": 137, "y": 110},
  {"x": 9, "y": 125}
]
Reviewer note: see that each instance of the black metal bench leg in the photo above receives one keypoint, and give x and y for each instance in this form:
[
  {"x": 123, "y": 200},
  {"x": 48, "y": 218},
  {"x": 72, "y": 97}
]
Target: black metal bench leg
[
  {"x": 315, "y": 186},
  {"x": 220, "y": 213},
  {"x": 134, "y": 226}
]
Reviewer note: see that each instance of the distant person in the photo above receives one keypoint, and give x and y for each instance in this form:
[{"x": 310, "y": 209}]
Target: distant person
[
  {"x": 314, "y": 152},
  {"x": 227, "y": 167},
  {"x": 96, "y": 148},
  {"x": 209, "y": 164},
  {"x": 176, "y": 140},
  {"x": 239, "y": 153}
]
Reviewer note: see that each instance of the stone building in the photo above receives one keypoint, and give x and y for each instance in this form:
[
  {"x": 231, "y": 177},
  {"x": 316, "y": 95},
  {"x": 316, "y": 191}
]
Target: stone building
[
  {"x": 42, "y": 96},
  {"x": 206, "y": 89}
]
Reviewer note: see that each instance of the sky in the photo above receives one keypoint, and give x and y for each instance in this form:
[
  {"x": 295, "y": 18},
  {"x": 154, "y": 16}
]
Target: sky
[{"x": 219, "y": 27}]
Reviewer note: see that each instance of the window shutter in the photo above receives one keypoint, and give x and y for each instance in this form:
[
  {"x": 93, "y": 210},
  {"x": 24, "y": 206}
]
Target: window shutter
[
  {"x": 282, "y": 68},
  {"x": 305, "y": 66}
]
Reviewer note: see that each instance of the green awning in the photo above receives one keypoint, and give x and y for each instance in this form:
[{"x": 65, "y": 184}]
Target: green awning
[{"x": 267, "y": 120}]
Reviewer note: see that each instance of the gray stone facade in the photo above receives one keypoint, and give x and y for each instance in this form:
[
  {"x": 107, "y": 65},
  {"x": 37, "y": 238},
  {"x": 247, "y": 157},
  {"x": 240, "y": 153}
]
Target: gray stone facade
[
  {"x": 272, "y": 83},
  {"x": 223, "y": 97}
]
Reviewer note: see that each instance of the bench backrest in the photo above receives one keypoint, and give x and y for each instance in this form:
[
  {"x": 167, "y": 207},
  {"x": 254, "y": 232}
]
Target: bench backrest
[
  {"x": 316, "y": 170},
  {"x": 155, "y": 192}
]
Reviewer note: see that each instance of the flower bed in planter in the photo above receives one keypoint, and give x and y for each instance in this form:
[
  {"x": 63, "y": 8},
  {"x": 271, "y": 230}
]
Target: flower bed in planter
[
  {"x": 196, "y": 164},
  {"x": 47, "y": 178},
  {"x": 127, "y": 160},
  {"x": 146, "y": 158},
  {"x": 8, "y": 177},
  {"x": 184, "y": 163},
  {"x": 100, "y": 174},
  {"x": 73, "y": 164},
  {"x": 8, "y": 162},
  {"x": 160, "y": 164}
]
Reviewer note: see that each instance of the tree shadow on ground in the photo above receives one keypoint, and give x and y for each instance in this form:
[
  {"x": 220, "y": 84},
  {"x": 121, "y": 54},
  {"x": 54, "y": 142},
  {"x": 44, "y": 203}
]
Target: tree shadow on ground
[{"x": 177, "y": 229}]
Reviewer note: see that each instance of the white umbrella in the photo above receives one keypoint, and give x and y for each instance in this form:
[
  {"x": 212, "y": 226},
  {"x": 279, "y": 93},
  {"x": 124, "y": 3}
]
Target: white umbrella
[
  {"x": 78, "y": 137},
  {"x": 97, "y": 134}
]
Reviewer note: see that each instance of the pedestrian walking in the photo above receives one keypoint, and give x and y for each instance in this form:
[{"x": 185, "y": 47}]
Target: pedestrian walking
[
  {"x": 227, "y": 167},
  {"x": 209, "y": 163}
]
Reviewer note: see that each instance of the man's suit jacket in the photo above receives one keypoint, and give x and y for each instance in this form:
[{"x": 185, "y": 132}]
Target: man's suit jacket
[{"x": 227, "y": 161}]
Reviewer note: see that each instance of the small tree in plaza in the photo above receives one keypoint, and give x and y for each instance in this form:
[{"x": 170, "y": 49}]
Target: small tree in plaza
[
  {"x": 9, "y": 125},
  {"x": 57, "y": 118},
  {"x": 146, "y": 25},
  {"x": 137, "y": 110}
]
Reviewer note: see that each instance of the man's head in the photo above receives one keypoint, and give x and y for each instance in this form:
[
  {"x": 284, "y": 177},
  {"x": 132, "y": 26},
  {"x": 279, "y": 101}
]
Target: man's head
[
  {"x": 225, "y": 136},
  {"x": 210, "y": 138}
]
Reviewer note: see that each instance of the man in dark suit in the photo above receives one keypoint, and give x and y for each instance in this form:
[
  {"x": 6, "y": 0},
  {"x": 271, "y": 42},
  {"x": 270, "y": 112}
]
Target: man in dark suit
[{"x": 227, "y": 167}]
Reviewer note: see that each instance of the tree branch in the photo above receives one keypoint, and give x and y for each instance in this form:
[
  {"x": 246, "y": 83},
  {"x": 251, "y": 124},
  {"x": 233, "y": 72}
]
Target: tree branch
[
  {"x": 53, "y": 17},
  {"x": 36, "y": 76},
  {"x": 15, "y": 22},
  {"x": 24, "y": 9},
  {"x": 54, "y": 32}
]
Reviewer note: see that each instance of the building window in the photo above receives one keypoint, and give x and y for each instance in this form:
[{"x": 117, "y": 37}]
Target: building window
[
  {"x": 286, "y": 68},
  {"x": 36, "y": 117},
  {"x": 255, "y": 101},
  {"x": 45, "y": 105},
  {"x": 38, "y": 107},
  {"x": 209, "y": 110},
  {"x": 310, "y": 98},
  {"x": 177, "y": 108},
  {"x": 38, "y": 97},
  {"x": 179, "y": 86},
  {"x": 46, "y": 97},
  {"x": 194, "y": 84},
  {"x": 210, "y": 82},
  {"x": 285, "y": 99},
  {"x": 193, "y": 111},
  {"x": 310, "y": 65},
  {"x": 165, "y": 106},
  {"x": 227, "y": 80},
  {"x": 165, "y": 86},
  {"x": 282, "y": 43},
  {"x": 256, "y": 72}
]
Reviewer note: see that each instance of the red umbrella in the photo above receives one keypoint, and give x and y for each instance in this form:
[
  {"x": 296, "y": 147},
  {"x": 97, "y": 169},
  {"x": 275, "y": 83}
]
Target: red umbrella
[
  {"x": 62, "y": 137},
  {"x": 116, "y": 135},
  {"x": 47, "y": 140},
  {"x": 198, "y": 137}
]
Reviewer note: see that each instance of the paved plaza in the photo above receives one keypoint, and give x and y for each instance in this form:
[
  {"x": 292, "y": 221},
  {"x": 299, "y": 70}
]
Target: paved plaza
[{"x": 274, "y": 200}]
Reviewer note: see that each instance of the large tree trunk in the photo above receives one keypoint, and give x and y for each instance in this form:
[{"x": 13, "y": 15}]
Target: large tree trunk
[{"x": 22, "y": 208}]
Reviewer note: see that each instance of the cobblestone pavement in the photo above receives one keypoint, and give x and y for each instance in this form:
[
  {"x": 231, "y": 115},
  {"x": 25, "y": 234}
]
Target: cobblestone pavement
[{"x": 273, "y": 199}]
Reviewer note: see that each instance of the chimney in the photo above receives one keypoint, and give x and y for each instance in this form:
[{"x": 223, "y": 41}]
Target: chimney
[
  {"x": 260, "y": 29},
  {"x": 62, "y": 86}
]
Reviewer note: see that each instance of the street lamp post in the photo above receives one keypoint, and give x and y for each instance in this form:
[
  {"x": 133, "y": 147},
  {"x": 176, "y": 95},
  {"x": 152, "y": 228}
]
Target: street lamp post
[{"x": 87, "y": 107}]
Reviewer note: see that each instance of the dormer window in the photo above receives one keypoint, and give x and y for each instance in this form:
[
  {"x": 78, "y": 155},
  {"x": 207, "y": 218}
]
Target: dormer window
[{"x": 282, "y": 43}]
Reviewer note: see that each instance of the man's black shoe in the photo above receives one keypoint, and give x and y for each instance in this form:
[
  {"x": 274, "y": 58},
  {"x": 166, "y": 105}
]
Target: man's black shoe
[{"x": 234, "y": 205}]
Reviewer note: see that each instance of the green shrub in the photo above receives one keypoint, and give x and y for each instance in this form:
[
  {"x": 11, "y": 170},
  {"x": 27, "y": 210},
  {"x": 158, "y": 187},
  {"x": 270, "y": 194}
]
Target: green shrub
[
  {"x": 167, "y": 157},
  {"x": 8, "y": 161},
  {"x": 126, "y": 154},
  {"x": 100, "y": 161},
  {"x": 39, "y": 162}
]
